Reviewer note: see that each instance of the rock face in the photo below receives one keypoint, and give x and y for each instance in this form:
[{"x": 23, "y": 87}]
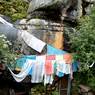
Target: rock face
[
  {"x": 64, "y": 9},
  {"x": 37, "y": 4},
  {"x": 44, "y": 20},
  {"x": 47, "y": 31}
]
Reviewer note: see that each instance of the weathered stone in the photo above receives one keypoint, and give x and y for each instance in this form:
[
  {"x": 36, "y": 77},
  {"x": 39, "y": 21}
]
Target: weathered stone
[
  {"x": 50, "y": 8},
  {"x": 48, "y": 31},
  {"x": 70, "y": 10},
  {"x": 90, "y": 1},
  {"x": 85, "y": 90},
  {"x": 37, "y": 4},
  {"x": 21, "y": 24},
  {"x": 27, "y": 0}
]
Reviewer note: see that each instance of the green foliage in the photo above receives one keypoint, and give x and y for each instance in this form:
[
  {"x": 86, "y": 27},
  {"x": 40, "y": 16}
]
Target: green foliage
[
  {"x": 6, "y": 54},
  {"x": 83, "y": 41},
  {"x": 16, "y": 9}
]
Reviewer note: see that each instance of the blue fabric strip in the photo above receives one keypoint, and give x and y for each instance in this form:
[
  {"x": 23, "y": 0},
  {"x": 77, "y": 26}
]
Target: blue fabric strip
[
  {"x": 20, "y": 62},
  {"x": 60, "y": 74},
  {"x": 30, "y": 72},
  {"x": 32, "y": 57},
  {"x": 75, "y": 66},
  {"x": 51, "y": 50}
]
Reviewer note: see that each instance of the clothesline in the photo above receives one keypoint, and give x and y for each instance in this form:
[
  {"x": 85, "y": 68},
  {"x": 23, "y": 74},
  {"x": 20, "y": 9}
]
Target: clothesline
[{"x": 42, "y": 68}]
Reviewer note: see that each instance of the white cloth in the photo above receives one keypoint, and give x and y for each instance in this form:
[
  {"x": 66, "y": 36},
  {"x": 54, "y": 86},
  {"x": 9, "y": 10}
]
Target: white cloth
[
  {"x": 32, "y": 41},
  {"x": 5, "y": 22},
  {"x": 38, "y": 70},
  {"x": 48, "y": 79},
  {"x": 59, "y": 57},
  {"x": 24, "y": 71},
  {"x": 63, "y": 67}
]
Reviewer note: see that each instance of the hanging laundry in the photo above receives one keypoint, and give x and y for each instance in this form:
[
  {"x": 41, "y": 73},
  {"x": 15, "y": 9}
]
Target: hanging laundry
[
  {"x": 24, "y": 71},
  {"x": 63, "y": 67},
  {"x": 59, "y": 57},
  {"x": 21, "y": 61},
  {"x": 42, "y": 68},
  {"x": 54, "y": 66},
  {"x": 49, "y": 67},
  {"x": 50, "y": 57},
  {"x": 49, "y": 64},
  {"x": 38, "y": 69},
  {"x": 59, "y": 74},
  {"x": 68, "y": 68},
  {"x": 75, "y": 66},
  {"x": 68, "y": 58},
  {"x": 48, "y": 79},
  {"x": 32, "y": 41}
]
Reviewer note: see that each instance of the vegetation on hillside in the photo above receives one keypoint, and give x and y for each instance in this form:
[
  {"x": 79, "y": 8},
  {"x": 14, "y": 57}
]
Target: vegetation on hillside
[
  {"x": 6, "y": 54},
  {"x": 82, "y": 43},
  {"x": 15, "y": 9},
  {"x": 83, "y": 40}
]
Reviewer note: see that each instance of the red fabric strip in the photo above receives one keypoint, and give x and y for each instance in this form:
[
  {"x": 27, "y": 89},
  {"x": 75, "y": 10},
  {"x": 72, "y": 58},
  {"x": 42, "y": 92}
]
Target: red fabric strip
[
  {"x": 50, "y": 57},
  {"x": 48, "y": 67}
]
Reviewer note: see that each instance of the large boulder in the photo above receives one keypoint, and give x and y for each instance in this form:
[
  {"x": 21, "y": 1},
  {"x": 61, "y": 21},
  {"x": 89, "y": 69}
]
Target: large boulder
[
  {"x": 37, "y": 4},
  {"x": 90, "y": 1},
  {"x": 70, "y": 10},
  {"x": 64, "y": 9}
]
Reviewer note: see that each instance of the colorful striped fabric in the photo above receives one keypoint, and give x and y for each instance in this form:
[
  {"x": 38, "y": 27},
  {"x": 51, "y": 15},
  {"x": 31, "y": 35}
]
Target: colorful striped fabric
[{"x": 43, "y": 68}]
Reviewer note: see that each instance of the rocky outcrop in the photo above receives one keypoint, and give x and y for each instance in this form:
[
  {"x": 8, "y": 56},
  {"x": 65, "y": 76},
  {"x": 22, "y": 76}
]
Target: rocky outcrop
[
  {"x": 70, "y": 10},
  {"x": 47, "y": 31}
]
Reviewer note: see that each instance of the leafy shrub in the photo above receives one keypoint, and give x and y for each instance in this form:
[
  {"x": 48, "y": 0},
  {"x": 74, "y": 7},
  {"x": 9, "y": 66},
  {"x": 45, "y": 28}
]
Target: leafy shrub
[
  {"x": 82, "y": 43},
  {"x": 16, "y": 9},
  {"x": 6, "y": 53}
]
